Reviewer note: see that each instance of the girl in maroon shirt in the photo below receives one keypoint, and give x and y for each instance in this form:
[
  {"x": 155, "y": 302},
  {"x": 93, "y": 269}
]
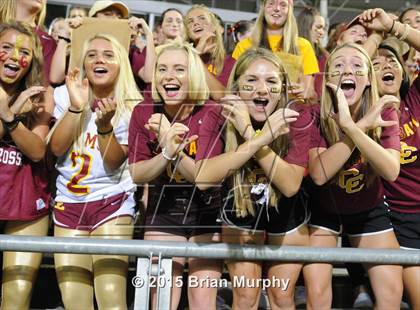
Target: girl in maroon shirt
[
  {"x": 355, "y": 141},
  {"x": 265, "y": 161},
  {"x": 32, "y": 13},
  {"x": 402, "y": 195},
  {"x": 25, "y": 113},
  {"x": 162, "y": 150},
  {"x": 207, "y": 38}
]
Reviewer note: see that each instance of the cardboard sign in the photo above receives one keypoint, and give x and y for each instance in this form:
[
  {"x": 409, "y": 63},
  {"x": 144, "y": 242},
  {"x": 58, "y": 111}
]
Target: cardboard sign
[{"x": 91, "y": 26}]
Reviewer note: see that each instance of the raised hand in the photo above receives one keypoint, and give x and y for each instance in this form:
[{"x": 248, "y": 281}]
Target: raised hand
[
  {"x": 297, "y": 90},
  {"x": 24, "y": 103},
  {"x": 139, "y": 24},
  {"x": 373, "y": 118},
  {"x": 276, "y": 125},
  {"x": 207, "y": 43},
  {"x": 159, "y": 124},
  {"x": 376, "y": 19},
  {"x": 174, "y": 141},
  {"x": 104, "y": 114},
  {"x": 343, "y": 117},
  {"x": 78, "y": 90},
  {"x": 75, "y": 22},
  {"x": 236, "y": 111}
]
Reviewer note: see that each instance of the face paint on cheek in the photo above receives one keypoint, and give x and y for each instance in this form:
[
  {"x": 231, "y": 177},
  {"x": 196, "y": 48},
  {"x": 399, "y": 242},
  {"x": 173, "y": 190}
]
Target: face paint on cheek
[
  {"x": 23, "y": 62},
  {"x": 361, "y": 73},
  {"x": 247, "y": 87},
  {"x": 334, "y": 73},
  {"x": 3, "y": 55},
  {"x": 274, "y": 90}
]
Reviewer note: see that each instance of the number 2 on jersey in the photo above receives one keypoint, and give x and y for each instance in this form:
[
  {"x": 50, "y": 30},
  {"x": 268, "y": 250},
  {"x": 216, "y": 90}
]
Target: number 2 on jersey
[{"x": 84, "y": 170}]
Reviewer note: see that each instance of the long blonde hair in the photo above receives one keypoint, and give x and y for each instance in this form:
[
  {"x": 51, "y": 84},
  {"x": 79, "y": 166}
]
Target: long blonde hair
[
  {"x": 198, "y": 91},
  {"x": 288, "y": 43},
  {"x": 8, "y": 12},
  {"x": 218, "y": 54},
  {"x": 126, "y": 93},
  {"x": 370, "y": 97},
  {"x": 241, "y": 185}
]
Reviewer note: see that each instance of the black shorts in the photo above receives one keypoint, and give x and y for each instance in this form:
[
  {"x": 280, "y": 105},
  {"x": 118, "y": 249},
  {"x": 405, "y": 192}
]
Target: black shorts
[
  {"x": 365, "y": 223},
  {"x": 290, "y": 214},
  {"x": 407, "y": 229},
  {"x": 183, "y": 215}
]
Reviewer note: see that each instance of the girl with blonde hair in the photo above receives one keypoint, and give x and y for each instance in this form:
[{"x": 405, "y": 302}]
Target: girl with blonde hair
[
  {"x": 266, "y": 155},
  {"x": 94, "y": 189},
  {"x": 203, "y": 31},
  {"x": 32, "y": 13},
  {"x": 25, "y": 112},
  {"x": 354, "y": 143},
  {"x": 162, "y": 148},
  {"x": 276, "y": 30}
]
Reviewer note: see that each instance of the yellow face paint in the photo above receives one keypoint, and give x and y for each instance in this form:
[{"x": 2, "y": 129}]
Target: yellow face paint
[
  {"x": 248, "y": 87},
  {"x": 275, "y": 90}
]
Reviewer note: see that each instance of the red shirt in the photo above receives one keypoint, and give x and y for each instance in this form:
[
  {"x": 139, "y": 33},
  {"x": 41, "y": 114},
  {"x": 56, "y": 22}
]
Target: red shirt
[
  {"x": 404, "y": 194},
  {"x": 352, "y": 194},
  {"x": 222, "y": 77},
  {"x": 48, "y": 50}
]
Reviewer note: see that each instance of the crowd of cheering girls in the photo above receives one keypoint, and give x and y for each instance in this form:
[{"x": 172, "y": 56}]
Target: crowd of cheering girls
[{"x": 270, "y": 138}]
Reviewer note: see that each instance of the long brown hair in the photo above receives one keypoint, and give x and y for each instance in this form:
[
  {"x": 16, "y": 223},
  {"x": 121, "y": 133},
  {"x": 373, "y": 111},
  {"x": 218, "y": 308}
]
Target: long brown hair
[
  {"x": 370, "y": 97},
  {"x": 280, "y": 146}
]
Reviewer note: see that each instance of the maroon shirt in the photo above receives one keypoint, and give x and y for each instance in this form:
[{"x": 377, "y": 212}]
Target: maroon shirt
[
  {"x": 352, "y": 194},
  {"x": 222, "y": 77},
  {"x": 48, "y": 50},
  {"x": 319, "y": 77},
  {"x": 211, "y": 136},
  {"x": 24, "y": 192},
  {"x": 404, "y": 194}
]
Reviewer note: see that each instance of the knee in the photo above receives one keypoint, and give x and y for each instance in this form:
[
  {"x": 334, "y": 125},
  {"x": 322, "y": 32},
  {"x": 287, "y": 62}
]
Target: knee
[
  {"x": 16, "y": 294},
  {"x": 202, "y": 298},
  {"x": 246, "y": 298},
  {"x": 389, "y": 294},
  {"x": 282, "y": 298},
  {"x": 319, "y": 296}
]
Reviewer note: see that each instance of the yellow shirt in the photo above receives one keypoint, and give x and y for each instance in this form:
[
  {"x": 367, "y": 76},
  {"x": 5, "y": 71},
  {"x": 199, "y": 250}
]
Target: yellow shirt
[{"x": 308, "y": 59}]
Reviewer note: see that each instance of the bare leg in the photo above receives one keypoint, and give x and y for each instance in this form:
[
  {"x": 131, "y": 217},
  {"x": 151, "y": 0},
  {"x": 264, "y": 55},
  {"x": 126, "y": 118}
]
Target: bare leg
[
  {"x": 386, "y": 280},
  {"x": 284, "y": 298},
  {"x": 318, "y": 277},
  {"x": 411, "y": 277},
  {"x": 177, "y": 267},
  {"x": 20, "y": 268},
  {"x": 204, "y": 297},
  {"x": 245, "y": 297}
]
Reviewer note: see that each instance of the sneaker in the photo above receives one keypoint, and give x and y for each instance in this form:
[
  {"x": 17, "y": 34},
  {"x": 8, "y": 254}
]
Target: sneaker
[
  {"x": 363, "y": 300},
  {"x": 300, "y": 296}
]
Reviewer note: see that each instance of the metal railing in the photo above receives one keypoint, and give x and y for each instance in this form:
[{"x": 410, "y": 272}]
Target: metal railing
[{"x": 145, "y": 250}]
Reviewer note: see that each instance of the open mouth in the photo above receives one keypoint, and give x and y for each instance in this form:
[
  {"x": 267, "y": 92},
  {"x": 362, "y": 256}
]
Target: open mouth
[
  {"x": 171, "y": 90},
  {"x": 348, "y": 87},
  {"x": 260, "y": 103},
  {"x": 198, "y": 30},
  {"x": 388, "y": 78},
  {"x": 11, "y": 70},
  {"x": 100, "y": 71}
]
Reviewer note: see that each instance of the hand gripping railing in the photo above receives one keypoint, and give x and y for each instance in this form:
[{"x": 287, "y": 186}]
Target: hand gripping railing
[{"x": 165, "y": 250}]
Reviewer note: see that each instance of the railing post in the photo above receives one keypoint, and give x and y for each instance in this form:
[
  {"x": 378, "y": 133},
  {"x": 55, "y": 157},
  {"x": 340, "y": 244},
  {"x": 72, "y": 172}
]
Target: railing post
[
  {"x": 164, "y": 283},
  {"x": 141, "y": 283}
]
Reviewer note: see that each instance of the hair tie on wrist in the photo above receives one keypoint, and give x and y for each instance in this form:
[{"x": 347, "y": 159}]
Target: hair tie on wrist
[
  {"x": 104, "y": 133},
  {"x": 75, "y": 111}
]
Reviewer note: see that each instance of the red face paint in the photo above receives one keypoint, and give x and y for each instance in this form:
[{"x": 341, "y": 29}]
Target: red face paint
[{"x": 23, "y": 62}]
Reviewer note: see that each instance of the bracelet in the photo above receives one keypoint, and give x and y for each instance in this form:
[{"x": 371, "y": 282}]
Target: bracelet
[
  {"x": 392, "y": 27},
  {"x": 75, "y": 111},
  {"x": 104, "y": 133},
  {"x": 167, "y": 157},
  {"x": 64, "y": 38},
  {"x": 12, "y": 125},
  {"x": 406, "y": 31}
]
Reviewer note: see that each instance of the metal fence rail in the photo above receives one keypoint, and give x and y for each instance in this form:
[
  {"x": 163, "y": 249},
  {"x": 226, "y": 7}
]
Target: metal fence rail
[
  {"x": 164, "y": 251},
  {"x": 214, "y": 251}
]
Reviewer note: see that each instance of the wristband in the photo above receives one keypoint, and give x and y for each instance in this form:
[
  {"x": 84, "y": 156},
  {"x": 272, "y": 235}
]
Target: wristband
[
  {"x": 392, "y": 27},
  {"x": 64, "y": 38},
  {"x": 12, "y": 125},
  {"x": 167, "y": 157},
  {"x": 104, "y": 133},
  {"x": 75, "y": 111}
]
